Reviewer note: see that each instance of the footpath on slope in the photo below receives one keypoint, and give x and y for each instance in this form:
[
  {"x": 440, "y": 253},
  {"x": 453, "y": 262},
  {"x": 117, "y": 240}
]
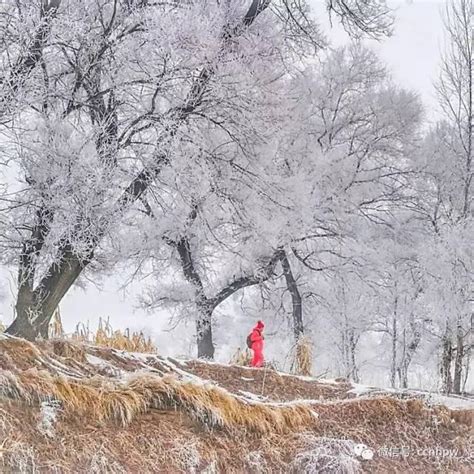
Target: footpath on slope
[{"x": 69, "y": 407}]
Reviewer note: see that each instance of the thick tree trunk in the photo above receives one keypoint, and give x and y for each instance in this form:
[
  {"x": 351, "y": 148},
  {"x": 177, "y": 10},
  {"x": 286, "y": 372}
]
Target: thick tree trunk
[
  {"x": 205, "y": 343},
  {"x": 35, "y": 307},
  {"x": 297, "y": 306}
]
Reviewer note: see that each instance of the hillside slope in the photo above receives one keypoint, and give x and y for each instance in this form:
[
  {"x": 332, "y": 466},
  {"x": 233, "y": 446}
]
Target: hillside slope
[{"x": 66, "y": 407}]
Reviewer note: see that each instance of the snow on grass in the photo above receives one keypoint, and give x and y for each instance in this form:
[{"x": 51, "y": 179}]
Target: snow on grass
[
  {"x": 106, "y": 366},
  {"x": 253, "y": 396},
  {"x": 256, "y": 462},
  {"x": 59, "y": 366},
  {"x": 97, "y": 361},
  {"x": 186, "y": 375},
  {"x": 330, "y": 455},
  {"x": 187, "y": 455},
  {"x": 49, "y": 410},
  {"x": 453, "y": 402},
  {"x": 359, "y": 390}
]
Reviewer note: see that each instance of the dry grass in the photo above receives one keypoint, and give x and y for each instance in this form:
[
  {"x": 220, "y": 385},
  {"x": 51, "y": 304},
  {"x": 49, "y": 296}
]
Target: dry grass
[
  {"x": 69, "y": 350},
  {"x": 123, "y": 401},
  {"x": 215, "y": 407},
  {"x": 107, "y": 337},
  {"x": 303, "y": 358},
  {"x": 82, "y": 333},
  {"x": 56, "y": 329},
  {"x": 241, "y": 357},
  {"x": 158, "y": 417},
  {"x": 2, "y": 327}
]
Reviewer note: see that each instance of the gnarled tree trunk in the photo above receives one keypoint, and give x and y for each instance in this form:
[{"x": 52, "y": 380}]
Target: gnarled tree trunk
[{"x": 296, "y": 301}]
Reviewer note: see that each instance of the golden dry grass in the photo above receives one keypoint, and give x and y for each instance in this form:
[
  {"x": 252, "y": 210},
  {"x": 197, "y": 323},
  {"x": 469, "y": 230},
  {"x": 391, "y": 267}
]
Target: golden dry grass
[
  {"x": 108, "y": 337},
  {"x": 215, "y": 407},
  {"x": 2, "y": 327},
  {"x": 303, "y": 358},
  {"x": 122, "y": 401}
]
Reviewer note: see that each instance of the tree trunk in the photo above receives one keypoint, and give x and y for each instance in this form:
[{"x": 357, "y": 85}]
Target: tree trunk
[
  {"x": 205, "y": 344},
  {"x": 408, "y": 353},
  {"x": 458, "y": 362},
  {"x": 393, "y": 368},
  {"x": 35, "y": 307},
  {"x": 353, "y": 373},
  {"x": 445, "y": 368},
  {"x": 297, "y": 306},
  {"x": 466, "y": 368}
]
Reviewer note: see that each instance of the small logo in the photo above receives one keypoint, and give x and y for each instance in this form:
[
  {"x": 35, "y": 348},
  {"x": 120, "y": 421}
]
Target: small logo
[{"x": 364, "y": 452}]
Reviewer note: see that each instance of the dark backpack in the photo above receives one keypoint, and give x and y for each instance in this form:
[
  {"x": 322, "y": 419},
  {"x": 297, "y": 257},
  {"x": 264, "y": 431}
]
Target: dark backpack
[{"x": 249, "y": 341}]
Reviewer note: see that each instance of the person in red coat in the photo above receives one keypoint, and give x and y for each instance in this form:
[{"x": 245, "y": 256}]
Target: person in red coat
[{"x": 256, "y": 338}]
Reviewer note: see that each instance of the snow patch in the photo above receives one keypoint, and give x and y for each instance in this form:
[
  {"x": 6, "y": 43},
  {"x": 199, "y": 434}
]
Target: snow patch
[
  {"x": 253, "y": 396},
  {"x": 49, "y": 411},
  {"x": 453, "y": 402},
  {"x": 330, "y": 455}
]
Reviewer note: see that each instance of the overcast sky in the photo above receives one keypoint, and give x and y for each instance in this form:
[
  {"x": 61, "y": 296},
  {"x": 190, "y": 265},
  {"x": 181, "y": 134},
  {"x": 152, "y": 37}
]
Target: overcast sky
[
  {"x": 413, "y": 52},
  {"x": 413, "y": 56}
]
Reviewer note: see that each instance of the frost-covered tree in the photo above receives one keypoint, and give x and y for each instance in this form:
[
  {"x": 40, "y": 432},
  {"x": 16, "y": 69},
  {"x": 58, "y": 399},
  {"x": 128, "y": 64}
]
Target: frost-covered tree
[
  {"x": 444, "y": 201},
  {"x": 341, "y": 148},
  {"x": 352, "y": 167},
  {"x": 91, "y": 125},
  {"x": 99, "y": 97}
]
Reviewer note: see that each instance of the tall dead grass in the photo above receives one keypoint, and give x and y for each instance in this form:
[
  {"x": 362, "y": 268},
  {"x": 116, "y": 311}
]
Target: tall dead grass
[
  {"x": 303, "y": 357},
  {"x": 106, "y": 336},
  {"x": 123, "y": 401},
  {"x": 241, "y": 357}
]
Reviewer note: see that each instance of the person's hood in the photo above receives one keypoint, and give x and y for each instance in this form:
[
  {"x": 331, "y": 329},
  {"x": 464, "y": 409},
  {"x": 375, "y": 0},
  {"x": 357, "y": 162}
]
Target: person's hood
[{"x": 260, "y": 325}]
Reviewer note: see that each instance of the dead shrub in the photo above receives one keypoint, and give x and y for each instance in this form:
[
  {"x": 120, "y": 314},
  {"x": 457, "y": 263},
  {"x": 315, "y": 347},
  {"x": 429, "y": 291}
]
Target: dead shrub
[
  {"x": 303, "y": 357},
  {"x": 82, "y": 333},
  {"x": 126, "y": 341},
  {"x": 241, "y": 357}
]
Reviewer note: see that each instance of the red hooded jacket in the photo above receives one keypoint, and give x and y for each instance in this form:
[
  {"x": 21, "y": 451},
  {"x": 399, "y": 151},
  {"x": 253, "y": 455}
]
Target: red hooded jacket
[{"x": 256, "y": 336}]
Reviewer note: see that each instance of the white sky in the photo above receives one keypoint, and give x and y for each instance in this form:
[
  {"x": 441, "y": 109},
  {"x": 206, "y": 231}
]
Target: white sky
[
  {"x": 413, "y": 56},
  {"x": 413, "y": 52}
]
